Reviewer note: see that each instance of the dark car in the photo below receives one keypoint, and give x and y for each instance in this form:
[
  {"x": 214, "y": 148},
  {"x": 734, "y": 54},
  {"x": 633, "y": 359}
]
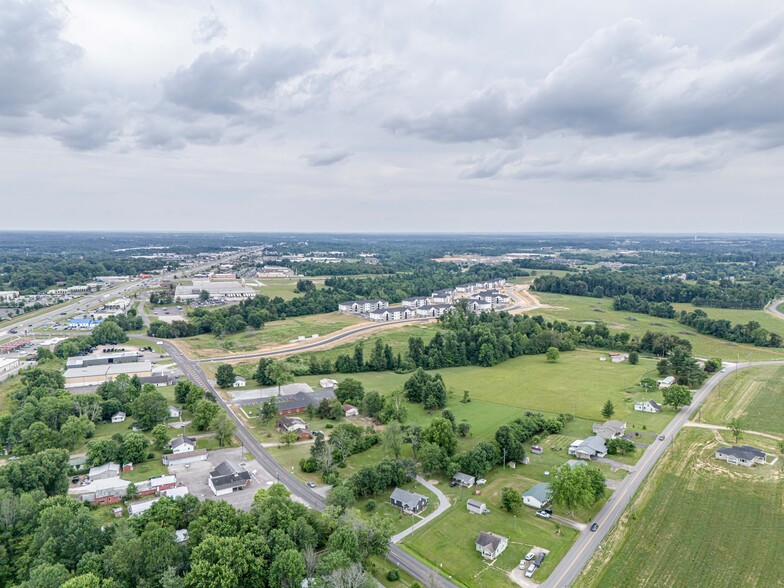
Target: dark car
[
  {"x": 661, "y": 437},
  {"x": 594, "y": 526},
  {"x": 75, "y": 480}
]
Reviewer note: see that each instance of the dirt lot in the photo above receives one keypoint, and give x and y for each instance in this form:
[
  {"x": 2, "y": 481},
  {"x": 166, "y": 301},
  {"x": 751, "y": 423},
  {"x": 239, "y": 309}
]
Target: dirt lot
[{"x": 195, "y": 477}]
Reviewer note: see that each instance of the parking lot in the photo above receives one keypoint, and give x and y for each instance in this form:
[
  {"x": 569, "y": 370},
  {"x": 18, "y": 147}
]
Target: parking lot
[
  {"x": 196, "y": 475},
  {"x": 167, "y": 314}
]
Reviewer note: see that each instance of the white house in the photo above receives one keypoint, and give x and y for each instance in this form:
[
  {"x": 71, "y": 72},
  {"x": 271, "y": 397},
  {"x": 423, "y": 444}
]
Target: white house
[
  {"x": 239, "y": 382},
  {"x": 476, "y": 507},
  {"x": 743, "y": 455},
  {"x": 227, "y": 478},
  {"x": 118, "y": 417},
  {"x": 588, "y": 448},
  {"x": 174, "y": 412},
  {"x": 328, "y": 383},
  {"x": 415, "y": 301},
  {"x": 613, "y": 429},
  {"x": 619, "y": 357},
  {"x": 491, "y": 545},
  {"x": 667, "y": 382},
  {"x": 647, "y": 406},
  {"x": 445, "y": 296},
  {"x": 182, "y": 444},
  {"x": 537, "y": 496},
  {"x": 464, "y": 480},
  {"x": 350, "y": 410},
  {"x": 361, "y": 306}
]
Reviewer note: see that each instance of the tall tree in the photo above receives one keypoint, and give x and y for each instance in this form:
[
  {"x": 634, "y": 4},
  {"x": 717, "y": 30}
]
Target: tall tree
[
  {"x": 736, "y": 427},
  {"x": 608, "y": 409},
  {"x": 224, "y": 375},
  {"x": 393, "y": 438}
]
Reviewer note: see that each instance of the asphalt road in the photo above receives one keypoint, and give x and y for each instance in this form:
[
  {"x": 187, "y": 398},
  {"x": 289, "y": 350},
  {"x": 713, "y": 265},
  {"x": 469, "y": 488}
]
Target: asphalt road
[
  {"x": 581, "y": 552},
  {"x": 423, "y": 573},
  {"x": 773, "y": 308}
]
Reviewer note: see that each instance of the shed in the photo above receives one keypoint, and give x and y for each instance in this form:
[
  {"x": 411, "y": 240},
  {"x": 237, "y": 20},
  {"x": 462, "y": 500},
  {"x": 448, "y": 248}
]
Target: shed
[{"x": 476, "y": 507}]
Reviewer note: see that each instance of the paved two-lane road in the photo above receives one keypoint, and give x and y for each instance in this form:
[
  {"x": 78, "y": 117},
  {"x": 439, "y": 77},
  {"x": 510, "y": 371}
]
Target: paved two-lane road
[{"x": 581, "y": 552}]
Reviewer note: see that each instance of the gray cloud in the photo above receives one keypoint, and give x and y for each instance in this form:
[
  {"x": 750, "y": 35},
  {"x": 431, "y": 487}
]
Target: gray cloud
[
  {"x": 324, "y": 158},
  {"x": 625, "y": 79},
  {"x": 210, "y": 28}
]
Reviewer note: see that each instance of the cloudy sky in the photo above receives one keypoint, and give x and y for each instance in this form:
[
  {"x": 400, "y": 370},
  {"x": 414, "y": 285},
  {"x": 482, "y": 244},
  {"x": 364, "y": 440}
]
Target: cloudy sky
[{"x": 392, "y": 116}]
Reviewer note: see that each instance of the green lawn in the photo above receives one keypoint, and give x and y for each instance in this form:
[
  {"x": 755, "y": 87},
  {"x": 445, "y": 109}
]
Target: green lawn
[
  {"x": 282, "y": 288},
  {"x": 273, "y": 333},
  {"x": 448, "y": 542},
  {"x": 697, "y": 522},
  {"x": 394, "y": 515},
  {"x": 584, "y": 310},
  {"x": 754, "y": 395},
  {"x": 145, "y": 470}
]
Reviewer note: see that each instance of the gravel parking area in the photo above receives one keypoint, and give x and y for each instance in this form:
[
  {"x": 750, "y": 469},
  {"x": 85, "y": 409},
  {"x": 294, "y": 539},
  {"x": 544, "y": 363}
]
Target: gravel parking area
[{"x": 195, "y": 477}]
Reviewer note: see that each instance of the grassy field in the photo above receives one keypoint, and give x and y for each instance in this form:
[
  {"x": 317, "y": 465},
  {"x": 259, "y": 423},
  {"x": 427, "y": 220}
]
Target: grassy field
[
  {"x": 283, "y": 288},
  {"x": 273, "y": 333},
  {"x": 753, "y": 395},
  {"x": 583, "y": 310},
  {"x": 697, "y": 522}
]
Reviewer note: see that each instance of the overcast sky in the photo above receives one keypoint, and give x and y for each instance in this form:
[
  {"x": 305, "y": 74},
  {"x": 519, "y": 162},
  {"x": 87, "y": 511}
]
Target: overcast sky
[{"x": 392, "y": 116}]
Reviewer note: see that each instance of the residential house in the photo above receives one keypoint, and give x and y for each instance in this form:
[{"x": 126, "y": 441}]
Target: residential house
[
  {"x": 175, "y": 412},
  {"x": 227, "y": 478},
  {"x": 491, "y": 545},
  {"x": 350, "y": 410},
  {"x": 476, "y": 507},
  {"x": 667, "y": 382},
  {"x": 407, "y": 501},
  {"x": 446, "y": 296},
  {"x": 479, "y": 305},
  {"x": 538, "y": 496},
  {"x": 328, "y": 383},
  {"x": 464, "y": 479},
  {"x": 590, "y": 448},
  {"x": 182, "y": 444},
  {"x": 107, "y": 470},
  {"x": 134, "y": 510},
  {"x": 743, "y": 455},
  {"x": 185, "y": 458},
  {"x": 619, "y": 357},
  {"x": 415, "y": 301},
  {"x": 118, "y": 417},
  {"x": 292, "y": 424},
  {"x": 434, "y": 310},
  {"x": 239, "y": 382},
  {"x": 647, "y": 406},
  {"x": 613, "y": 429}
]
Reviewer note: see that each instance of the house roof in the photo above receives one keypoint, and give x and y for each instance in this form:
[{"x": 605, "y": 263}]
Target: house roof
[
  {"x": 226, "y": 475},
  {"x": 461, "y": 477},
  {"x": 540, "y": 492},
  {"x": 239, "y": 379},
  {"x": 653, "y": 403},
  {"x": 490, "y": 540},
  {"x": 414, "y": 298},
  {"x": 103, "y": 468},
  {"x": 595, "y": 444},
  {"x": 172, "y": 458},
  {"x": 372, "y": 301},
  {"x": 182, "y": 440},
  {"x": 289, "y": 422},
  {"x": 349, "y": 407},
  {"x": 745, "y": 452},
  {"x": 406, "y": 498},
  {"x": 476, "y": 503}
]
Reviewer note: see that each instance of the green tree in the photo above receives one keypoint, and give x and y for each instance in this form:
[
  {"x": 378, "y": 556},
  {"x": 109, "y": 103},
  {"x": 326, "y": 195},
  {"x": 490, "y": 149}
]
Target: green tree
[
  {"x": 269, "y": 410},
  {"x": 342, "y": 497},
  {"x": 278, "y": 374},
  {"x": 511, "y": 499},
  {"x": 736, "y": 427},
  {"x": 713, "y": 365},
  {"x": 393, "y": 438},
  {"x": 608, "y": 409},
  {"x": 203, "y": 414},
  {"x": 149, "y": 409},
  {"x": 350, "y": 391},
  {"x": 552, "y": 354},
  {"x": 287, "y": 569},
  {"x": 102, "y": 451},
  {"x": 224, "y": 375},
  {"x": 432, "y": 457},
  {"x": 574, "y": 488},
  {"x": 464, "y": 429},
  {"x": 222, "y": 427},
  {"x": 441, "y": 433},
  {"x": 634, "y": 358},
  {"x": 109, "y": 333},
  {"x": 75, "y": 430},
  {"x": 677, "y": 396},
  {"x": 219, "y": 562},
  {"x": 288, "y": 438},
  {"x": 372, "y": 404},
  {"x": 648, "y": 384},
  {"x": 134, "y": 448},
  {"x": 394, "y": 408},
  {"x": 204, "y": 296},
  {"x": 160, "y": 436}
]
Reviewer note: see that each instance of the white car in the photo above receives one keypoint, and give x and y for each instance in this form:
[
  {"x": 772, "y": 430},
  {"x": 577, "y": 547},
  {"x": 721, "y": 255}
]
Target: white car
[
  {"x": 481, "y": 482},
  {"x": 529, "y": 556},
  {"x": 531, "y": 570},
  {"x": 543, "y": 513}
]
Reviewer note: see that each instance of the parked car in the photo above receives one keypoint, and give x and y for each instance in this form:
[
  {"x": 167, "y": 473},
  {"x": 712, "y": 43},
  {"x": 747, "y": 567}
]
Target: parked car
[
  {"x": 543, "y": 513},
  {"x": 594, "y": 526},
  {"x": 529, "y": 556},
  {"x": 311, "y": 485},
  {"x": 661, "y": 437},
  {"x": 75, "y": 480},
  {"x": 481, "y": 481},
  {"x": 531, "y": 570},
  {"x": 452, "y": 484}
]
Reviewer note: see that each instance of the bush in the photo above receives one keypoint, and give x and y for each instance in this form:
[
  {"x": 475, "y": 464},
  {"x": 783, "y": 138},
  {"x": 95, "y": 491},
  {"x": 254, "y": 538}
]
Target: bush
[
  {"x": 371, "y": 505},
  {"x": 308, "y": 465},
  {"x": 330, "y": 477},
  {"x": 329, "y": 426},
  {"x": 393, "y": 575}
]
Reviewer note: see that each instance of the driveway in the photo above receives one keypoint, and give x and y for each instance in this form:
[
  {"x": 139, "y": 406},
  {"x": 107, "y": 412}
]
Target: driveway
[
  {"x": 443, "y": 504},
  {"x": 615, "y": 465}
]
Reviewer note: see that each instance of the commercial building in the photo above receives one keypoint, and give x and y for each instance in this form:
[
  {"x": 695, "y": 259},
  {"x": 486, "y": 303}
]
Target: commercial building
[
  {"x": 227, "y": 478},
  {"x": 181, "y": 459},
  {"x": 8, "y": 364},
  {"x": 106, "y": 359},
  {"x": 103, "y": 491},
  {"x": 8, "y": 295},
  {"x": 98, "y": 374},
  {"x": 215, "y": 290}
]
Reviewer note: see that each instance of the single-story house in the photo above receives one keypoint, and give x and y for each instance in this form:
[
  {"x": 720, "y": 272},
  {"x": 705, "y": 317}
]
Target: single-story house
[
  {"x": 182, "y": 444},
  {"x": 227, "y": 478},
  {"x": 407, "y": 501},
  {"x": 104, "y": 471},
  {"x": 589, "y": 448},
  {"x": 610, "y": 430},
  {"x": 538, "y": 496},
  {"x": 350, "y": 410},
  {"x": 176, "y": 492},
  {"x": 619, "y": 357},
  {"x": 118, "y": 417},
  {"x": 179, "y": 459},
  {"x": 667, "y": 382},
  {"x": 476, "y": 507},
  {"x": 175, "y": 412},
  {"x": 292, "y": 424},
  {"x": 239, "y": 382},
  {"x": 464, "y": 479},
  {"x": 491, "y": 545},
  {"x": 743, "y": 455},
  {"x": 647, "y": 406},
  {"x": 328, "y": 383}
]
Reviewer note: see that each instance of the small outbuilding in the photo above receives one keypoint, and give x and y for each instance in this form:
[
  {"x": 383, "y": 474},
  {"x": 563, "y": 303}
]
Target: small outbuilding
[
  {"x": 239, "y": 382},
  {"x": 476, "y": 507},
  {"x": 118, "y": 417},
  {"x": 350, "y": 410}
]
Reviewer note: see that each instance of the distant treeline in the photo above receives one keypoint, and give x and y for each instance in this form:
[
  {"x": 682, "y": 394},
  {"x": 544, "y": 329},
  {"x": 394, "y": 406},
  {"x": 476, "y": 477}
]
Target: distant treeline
[
  {"x": 751, "y": 333},
  {"x": 634, "y": 303},
  {"x": 649, "y": 286}
]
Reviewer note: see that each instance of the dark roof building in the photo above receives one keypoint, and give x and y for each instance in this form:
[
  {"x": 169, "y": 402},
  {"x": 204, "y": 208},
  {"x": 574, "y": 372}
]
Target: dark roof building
[
  {"x": 744, "y": 455},
  {"x": 227, "y": 478},
  {"x": 407, "y": 501}
]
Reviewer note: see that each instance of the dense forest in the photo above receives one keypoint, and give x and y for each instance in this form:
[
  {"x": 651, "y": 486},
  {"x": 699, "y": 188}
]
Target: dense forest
[
  {"x": 751, "y": 333},
  {"x": 652, "y": 288}
]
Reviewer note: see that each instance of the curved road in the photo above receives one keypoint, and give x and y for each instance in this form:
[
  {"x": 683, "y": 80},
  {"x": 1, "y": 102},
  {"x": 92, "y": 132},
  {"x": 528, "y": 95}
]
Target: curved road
[
  {"x": 569, "y": 568},
  {"x": 443, "y": 505},
  {"x": 772, "y": 308},
  {"x": 422, "y": 572}
]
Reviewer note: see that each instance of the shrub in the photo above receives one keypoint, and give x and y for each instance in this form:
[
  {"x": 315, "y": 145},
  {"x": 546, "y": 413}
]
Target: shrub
[
  {"x": 393, "y": 575},
  {"x": 371, "y": 505}
]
